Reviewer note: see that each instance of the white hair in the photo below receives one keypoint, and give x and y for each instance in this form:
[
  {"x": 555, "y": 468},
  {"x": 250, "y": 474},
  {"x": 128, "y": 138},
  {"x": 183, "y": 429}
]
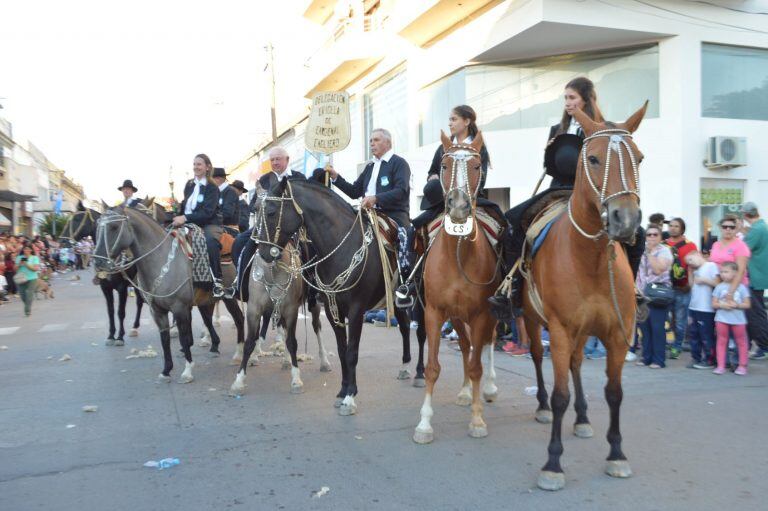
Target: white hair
[
  {"x": 278, "y": 150},
  {"x": 384, "y": 133}
]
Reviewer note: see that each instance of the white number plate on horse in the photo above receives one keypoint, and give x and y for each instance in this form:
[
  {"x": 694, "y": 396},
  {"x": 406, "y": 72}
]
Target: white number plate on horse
[{"x": 453, "y": 229}]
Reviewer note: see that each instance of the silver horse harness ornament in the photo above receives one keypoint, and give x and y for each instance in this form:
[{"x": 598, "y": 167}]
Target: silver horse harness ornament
[{"x": 460, "y": 181}]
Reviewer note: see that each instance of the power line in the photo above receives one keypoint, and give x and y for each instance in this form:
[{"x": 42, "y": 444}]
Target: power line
[
  {"x": 648, "y": 4},
  {"x": 727, "y": 8}
]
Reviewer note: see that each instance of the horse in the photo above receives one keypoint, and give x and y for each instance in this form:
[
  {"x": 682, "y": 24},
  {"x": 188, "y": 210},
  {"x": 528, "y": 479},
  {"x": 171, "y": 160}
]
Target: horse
[
  {"x": 347, "y": 258},
  {"x": 579, "y": 284},
  {"x": 83, "y": 223},
  {"x": 460, "y": 273},
  {"x": 164, "y": 277}
]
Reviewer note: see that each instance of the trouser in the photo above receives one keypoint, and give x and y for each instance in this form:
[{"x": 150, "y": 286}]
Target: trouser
[
  {"x": 12, "y": 287},
  {"x": 654, "y": 338},
  {"x": 27, "y": 292},
  {"x": 212, "y": 235},
  {"x": 679, "y": 310},
  {"x": 243, "y": 250},
  {"x": 701, "y": 333},
  {"x": 757, "y": 321},
  {"x": 739, "y": 333}
]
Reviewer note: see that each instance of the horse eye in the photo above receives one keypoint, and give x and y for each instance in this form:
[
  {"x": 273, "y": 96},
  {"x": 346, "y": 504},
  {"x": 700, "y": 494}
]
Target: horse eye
[
  {"x": 443, "y": 167},
  {"x": 593, "y": 160}
]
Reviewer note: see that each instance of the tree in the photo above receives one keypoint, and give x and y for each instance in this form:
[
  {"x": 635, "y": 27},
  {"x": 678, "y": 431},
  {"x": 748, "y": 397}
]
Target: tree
[{"x": 53, "y": 224}]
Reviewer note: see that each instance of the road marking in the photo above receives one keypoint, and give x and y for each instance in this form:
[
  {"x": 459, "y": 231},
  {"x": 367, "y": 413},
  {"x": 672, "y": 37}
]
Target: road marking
[
  {"x": 53, "y": 327},
  {"x": 8, "y": 330},
  {"x": 92, "y": 324}
]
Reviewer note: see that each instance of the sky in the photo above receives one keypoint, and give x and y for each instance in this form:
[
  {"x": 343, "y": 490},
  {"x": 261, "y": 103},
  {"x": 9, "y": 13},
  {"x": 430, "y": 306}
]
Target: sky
[{"x": 116, "y": 90}]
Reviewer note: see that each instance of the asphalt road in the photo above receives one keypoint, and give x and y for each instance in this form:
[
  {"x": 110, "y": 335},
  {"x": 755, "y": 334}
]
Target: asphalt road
[{"x": 694, "y": 440}]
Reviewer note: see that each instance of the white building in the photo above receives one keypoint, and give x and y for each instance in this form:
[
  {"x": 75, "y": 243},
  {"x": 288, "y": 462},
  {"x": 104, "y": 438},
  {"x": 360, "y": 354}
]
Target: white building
[{"x": 405, "y": 63}]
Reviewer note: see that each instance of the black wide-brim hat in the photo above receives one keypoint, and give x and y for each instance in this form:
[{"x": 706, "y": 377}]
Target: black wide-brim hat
[
  {"x": 433, "y": 194},
  {"x": 562, "y": 156},
  {"x": 238, "y": 185},
  {"x": 128, "y": 184},
  {"x": 219, "y": 172}
]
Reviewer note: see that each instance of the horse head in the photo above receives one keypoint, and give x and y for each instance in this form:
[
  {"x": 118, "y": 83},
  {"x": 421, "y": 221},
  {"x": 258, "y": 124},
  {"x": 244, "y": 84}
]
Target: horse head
[
  {"x": 279, "y": 219},
  {"x": 609, "y": 165},
  {"x": 81, "y": 223},
  {"x": 113, "y": 235},
  {"x": 461, "y": 175}
]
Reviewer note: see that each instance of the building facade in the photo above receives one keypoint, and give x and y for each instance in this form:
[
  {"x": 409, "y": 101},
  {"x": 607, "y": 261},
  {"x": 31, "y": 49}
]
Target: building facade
[{"x": 703, "y": 66}]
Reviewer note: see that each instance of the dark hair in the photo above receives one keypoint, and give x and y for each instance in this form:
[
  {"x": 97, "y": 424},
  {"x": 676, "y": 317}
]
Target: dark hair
[
  {"x": 586, "y": 89},
  {"x": 654, "y": 226},
  {"x": 208, "y": 163},
  {"x": 656, "y": 218},
  {"x": 681, "y": 222},
  {"x": 728, "y": 218},
  {"x": 730, "y": 265},
  {"x": 467, "y": 113}
]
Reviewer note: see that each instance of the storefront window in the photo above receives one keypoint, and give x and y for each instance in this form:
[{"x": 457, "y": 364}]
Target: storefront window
[
  {"x": 386, "y": 106},
  {"x": 718, "y": 197},
  {"x": 734, "y": 82}
]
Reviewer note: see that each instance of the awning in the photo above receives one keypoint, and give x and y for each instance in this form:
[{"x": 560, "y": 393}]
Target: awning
[
  {"x": 4, "y": 222},
  {"x": 9, "y": 196}
]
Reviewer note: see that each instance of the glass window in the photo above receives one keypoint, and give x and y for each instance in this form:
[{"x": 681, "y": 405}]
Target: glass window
[
  {"x": 734, "y": 82},
  {"x": 530, "y": 94},
  {"x": 386, "y": 106}
]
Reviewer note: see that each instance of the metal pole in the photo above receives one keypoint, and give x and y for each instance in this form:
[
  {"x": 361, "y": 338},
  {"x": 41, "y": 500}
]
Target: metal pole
[{"x": 271, "y": 64}]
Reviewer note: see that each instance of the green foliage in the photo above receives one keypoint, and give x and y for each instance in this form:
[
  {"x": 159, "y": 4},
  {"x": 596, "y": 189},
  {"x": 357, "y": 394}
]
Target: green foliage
[{"x": 52, "y": 220}]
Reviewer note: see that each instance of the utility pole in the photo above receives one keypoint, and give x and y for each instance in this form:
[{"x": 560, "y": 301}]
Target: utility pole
[{"x": 271, "y": 64}]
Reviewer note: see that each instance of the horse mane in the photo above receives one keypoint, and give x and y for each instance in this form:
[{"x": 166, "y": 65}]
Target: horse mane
[
  {"x": 143, "y": 215},
  {"x": 346, "y": 206}
]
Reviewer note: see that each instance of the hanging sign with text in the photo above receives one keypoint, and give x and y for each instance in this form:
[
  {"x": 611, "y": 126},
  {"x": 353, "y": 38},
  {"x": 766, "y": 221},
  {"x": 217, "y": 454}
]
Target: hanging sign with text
[{"x": 328, "y": 129}]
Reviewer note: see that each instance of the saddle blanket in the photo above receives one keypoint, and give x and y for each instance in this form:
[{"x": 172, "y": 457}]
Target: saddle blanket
[
  {"x": 491, "y": 227},
  {"x": 539, "y": 229},
  {"x": 191, "y": 239}
]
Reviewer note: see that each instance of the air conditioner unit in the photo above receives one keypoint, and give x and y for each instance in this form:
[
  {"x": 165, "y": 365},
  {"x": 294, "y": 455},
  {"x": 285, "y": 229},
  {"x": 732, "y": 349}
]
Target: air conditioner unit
[{"x": 726, "y": 152}]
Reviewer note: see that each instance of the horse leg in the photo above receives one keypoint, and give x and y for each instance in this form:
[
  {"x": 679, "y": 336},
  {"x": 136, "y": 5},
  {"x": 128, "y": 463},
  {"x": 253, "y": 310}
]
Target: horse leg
[
  {"x": 481, "y": 328},
  {"x": 551, "y": 476},
  {"x": 292, "y": 344},
  {"x": 244, "y": 351},
  {"x": 206, "y": 312},
  {"x": 405, "y": 332},
  {"x": 122, "y": 300},
  {"x": 341, "y": 346},
  {"x": 237, "y": 317},
  {"x": 421, "y": 337},
  {"x": 137, "y": 322},
  {"x": 464, "y": 397},
  {"x": 424, "y": 433},
  {"x": 543, "y": 412},
  {"x": 617, "y": 465},
  {"x": 581, "y": 428},
  {"x": 183, "y": 320},
  {"x": 325, "y": 365},
  {"x": 107, "y": 290},
  {"x": 490, "y": 390},
  {"x": 161, "y": 320},
  {"x": 217, "y": 314},
  {"x": 266, "y": 317},
  {"x": 348, "y": 405}
]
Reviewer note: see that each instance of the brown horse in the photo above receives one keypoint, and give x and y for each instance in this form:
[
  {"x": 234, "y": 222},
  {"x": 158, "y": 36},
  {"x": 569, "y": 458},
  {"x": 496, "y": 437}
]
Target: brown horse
[
  {"x": 460, "y": 273},
  {"x": 585, "y": 285}
]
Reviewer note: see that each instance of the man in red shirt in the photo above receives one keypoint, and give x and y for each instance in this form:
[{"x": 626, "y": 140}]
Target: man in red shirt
[{"x": 680, "y": 247}]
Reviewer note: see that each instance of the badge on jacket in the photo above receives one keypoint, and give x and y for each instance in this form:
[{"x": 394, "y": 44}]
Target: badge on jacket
[
  {"x": 200, "y": 198},
  {"x": 221, "y": 201},
  {"x": 384, "y": 180}
]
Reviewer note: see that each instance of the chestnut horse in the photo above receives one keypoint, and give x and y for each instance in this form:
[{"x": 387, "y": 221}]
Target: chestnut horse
[
  {"x": 585, "y": 285},
  {"x": 460, "y": 273}
]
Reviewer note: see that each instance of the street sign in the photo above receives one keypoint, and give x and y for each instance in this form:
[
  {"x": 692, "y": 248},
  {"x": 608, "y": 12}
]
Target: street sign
[{"x": 328, "y": 128}]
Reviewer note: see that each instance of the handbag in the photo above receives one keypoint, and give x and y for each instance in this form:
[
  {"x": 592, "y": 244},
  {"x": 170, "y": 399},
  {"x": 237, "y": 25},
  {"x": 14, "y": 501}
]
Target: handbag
[
  {"x": 659, "y": 296},
  {"x": 20, "y": 278}
]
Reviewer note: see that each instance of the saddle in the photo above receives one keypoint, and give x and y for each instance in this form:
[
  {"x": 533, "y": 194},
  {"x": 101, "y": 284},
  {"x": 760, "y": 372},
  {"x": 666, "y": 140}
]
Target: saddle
[
  {"x": 387, "y": 230},
  {"x": 226, "y": 240},
  {"x": 191, "y": 240}
]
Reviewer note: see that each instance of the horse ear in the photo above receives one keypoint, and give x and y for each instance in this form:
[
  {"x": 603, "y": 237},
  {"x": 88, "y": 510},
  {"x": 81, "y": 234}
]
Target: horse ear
[
  {"x": 445, "y": 140},
  {"x": 588, "y": 125},
  {"x": 635, "y": 119},
  {"x": 104, "y": 205},
  {"x": 477, "y": 141}
]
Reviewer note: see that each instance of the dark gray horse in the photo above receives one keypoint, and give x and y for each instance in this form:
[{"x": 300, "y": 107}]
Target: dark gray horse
[
  {"x": 350, "y": 262},
  {"x": 164, "y": 276}
]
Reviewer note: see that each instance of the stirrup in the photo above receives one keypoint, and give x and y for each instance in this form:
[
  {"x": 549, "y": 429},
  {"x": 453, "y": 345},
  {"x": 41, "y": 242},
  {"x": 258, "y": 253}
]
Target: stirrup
[
  {"x": 218, "y": 289},
  {"x": 404, "y": 296},
  {"x": 501, "y": 307}
]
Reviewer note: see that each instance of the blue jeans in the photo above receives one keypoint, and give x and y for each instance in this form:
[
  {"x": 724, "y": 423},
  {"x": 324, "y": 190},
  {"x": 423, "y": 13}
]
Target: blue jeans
[
  {"x": 679, "y": 310},
  {"x": 701, "y": 333},
  {"x": 594, "y": 347},
  {"x": 654, "y": 337}
]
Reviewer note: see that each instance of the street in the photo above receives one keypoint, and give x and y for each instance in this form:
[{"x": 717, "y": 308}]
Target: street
[{"x": 694, "y": 440}]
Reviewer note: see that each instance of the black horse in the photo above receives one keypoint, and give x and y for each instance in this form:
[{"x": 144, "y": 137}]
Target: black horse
[
  {"x": 82, "y": 223},
  {"x": 348, "y": 258}
]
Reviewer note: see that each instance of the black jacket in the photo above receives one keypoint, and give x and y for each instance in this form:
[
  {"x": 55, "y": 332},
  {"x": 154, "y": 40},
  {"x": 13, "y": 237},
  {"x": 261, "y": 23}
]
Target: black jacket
[
  {"x": 228, "y": 206},
  {"x": 132, "y": 202},
  {"x": 207, "y": 211},
  {"x": 244, "y": 215},
  {"x": 393, "y": 188},
  {"x": 268, "y": 180}
]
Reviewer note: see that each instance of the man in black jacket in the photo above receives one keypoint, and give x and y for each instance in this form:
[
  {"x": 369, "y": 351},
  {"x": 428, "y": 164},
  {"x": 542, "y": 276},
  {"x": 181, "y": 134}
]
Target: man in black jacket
[
  {"x": 201, "y": 207},
  {"x": 228, "y": 202},
  {"x": 128, "y": 190},
  {"x": 243, "y": 213}
]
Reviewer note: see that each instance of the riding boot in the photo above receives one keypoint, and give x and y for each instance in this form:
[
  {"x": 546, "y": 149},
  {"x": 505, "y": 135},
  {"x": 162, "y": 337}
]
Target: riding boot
[{"x": 502, "y": 307}]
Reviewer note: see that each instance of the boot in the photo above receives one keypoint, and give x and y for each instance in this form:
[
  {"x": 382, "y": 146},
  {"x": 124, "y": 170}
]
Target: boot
[{"x": 501, "y": 305}]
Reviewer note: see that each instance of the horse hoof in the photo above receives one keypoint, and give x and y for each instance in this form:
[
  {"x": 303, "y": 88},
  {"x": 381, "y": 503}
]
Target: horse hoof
[
  {"x": 325, "y": 368},
  {"x": 204, "y": 343},
  {"x": 186, "y": 378},
  {"x": 404, "y": 374},
  {"x": 109, "y": 342},
  {"x": 464, "y": 400},
  {"x": 236, "y": 390},
  {"x": 544, "y": 416},
  {"x": 478, "y": 431},
  {"x": 490, "y": 395},
  {"x": 583, "y": 430},
  {"x": 134, "y": 332},
  {"x": 119, "y": 342},
  {"x": 423, "y": 437},
  {"x": 163, "y": 378},
  {"x": 297, "y": 388},
  {"x": 618, "y": 468},
  {"x": 286, "y": 365},
  {"x": 551, "y": 481},
  {"x": 345, "y": 410},
  {"x": 419, "y": 382},
  {"x": 337, "y": 403}
]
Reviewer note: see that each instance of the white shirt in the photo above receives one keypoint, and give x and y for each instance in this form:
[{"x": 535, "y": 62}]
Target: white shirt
[
  {"x": 573, "y": 128},
  {"x": 371, "y": 189},
  {"x": 223, "y": 186},
  {"x": 191, "y": 204},
  {"x": 282, "y": 176}
]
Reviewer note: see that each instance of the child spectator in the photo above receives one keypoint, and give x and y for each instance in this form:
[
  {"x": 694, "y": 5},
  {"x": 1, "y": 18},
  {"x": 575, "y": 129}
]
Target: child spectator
[
  {"x": 730, "y": 318},
  {"x": 703, "y": 275}
]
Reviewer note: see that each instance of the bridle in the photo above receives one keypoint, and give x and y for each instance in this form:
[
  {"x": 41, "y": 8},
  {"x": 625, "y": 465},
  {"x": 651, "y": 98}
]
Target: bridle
[
  {"x": 618, "y": 138},
  {"x": 86, "y": 216},
  {"x": 461, "y": 154}
]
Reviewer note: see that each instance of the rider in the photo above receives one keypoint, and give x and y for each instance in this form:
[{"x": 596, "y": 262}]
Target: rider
[
  {"x": 128, "y": 190},
  {"x": 228, "y": 201},
  {"x": 201, "y": 207},
  {"x": 560, "y": 161},
  {"x": 243, "y": 215}
]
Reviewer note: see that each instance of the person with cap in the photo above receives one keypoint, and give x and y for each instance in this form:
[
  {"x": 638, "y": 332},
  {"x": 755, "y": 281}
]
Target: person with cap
[
  {"x": 200, "y": 206},
  {"x": 680, "y": 247},
  {"x": 228, "y": 202},
  {"x": 128, "y": 190},
  {"x": 756, "y": 239},
  {"x": 243, "y": 215}
]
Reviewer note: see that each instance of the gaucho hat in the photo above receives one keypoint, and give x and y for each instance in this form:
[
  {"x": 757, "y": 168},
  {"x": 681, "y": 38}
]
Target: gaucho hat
[
  {"x": 219, "y": 172},
  {"x": 238, "y": 185},
  {"x": 128, "y": 184},
  {"x": 562, "y": 156},
  {"x": 433, "y": 194}
]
